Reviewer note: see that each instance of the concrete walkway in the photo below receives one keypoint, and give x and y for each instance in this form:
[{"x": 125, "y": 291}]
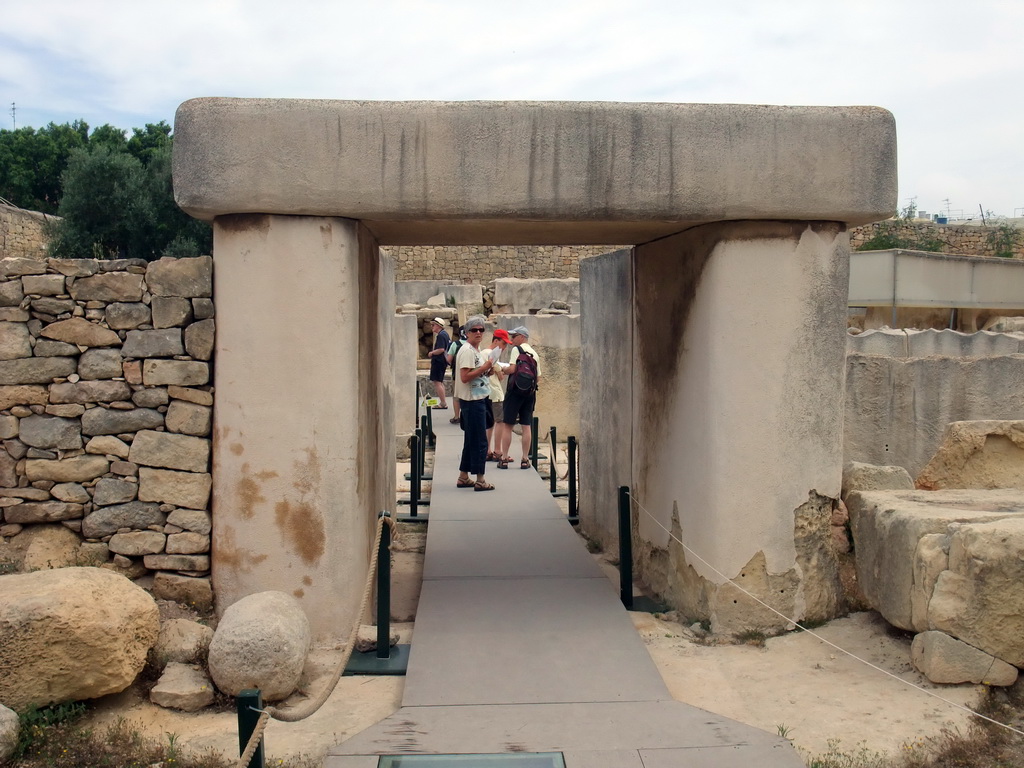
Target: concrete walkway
[{"x": 522, "y": 646}]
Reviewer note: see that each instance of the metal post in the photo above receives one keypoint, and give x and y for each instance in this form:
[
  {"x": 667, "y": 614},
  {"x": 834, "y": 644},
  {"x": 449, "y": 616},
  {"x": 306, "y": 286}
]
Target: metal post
[
  {"x": 553, "y": 478},
  {"x": 384, "y": 592},
  {"x": 424, "y": 436},
  {"x": 430, "y": 428},
  {"x": 249, "y": 704},
  {"x": 533, "y": 441},
  {"x": 414, "y": 484},
  {"x": 625, "y": 549},
  {"x": 573, "y": 512}
]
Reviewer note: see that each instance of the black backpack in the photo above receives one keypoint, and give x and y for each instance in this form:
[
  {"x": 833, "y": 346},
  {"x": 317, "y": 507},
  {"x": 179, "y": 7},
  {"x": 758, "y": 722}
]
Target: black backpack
[
  {"x": 525, "y": 377},
  {"x": 458, "y": 346}
]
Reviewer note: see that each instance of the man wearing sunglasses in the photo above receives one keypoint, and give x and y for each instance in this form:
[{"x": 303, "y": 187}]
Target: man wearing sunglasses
[{"x": 472, "y": 389}]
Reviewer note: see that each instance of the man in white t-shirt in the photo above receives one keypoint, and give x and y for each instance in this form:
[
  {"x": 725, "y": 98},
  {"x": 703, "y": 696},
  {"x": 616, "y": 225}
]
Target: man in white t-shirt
[
  {"x": 472, "y": 389},
  {"x": 519, "y": 404}
]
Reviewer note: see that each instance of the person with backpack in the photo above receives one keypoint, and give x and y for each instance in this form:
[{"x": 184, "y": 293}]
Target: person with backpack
[{"x": 523, "y": 376}]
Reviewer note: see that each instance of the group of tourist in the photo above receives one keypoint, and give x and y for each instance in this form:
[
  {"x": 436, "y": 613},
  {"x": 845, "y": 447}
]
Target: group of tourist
[{"x": 491, "y": 396}]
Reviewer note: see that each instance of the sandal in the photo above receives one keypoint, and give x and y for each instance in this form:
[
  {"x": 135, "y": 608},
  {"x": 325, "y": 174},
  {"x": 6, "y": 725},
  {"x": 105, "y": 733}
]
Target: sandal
[
  {"x": 482, "y": 485},
  {"x": 440, "y": 407},
  {"x": 492, "y": 456},
  {"x": 525, "y": 464},
  {"x": 453, "y": 421},
  {"x": 467, "y": 483},
  {"x": 503, "y": 462}
]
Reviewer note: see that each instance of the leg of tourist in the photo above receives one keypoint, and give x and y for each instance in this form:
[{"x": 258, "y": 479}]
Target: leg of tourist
[{"x": 439, "y": 391}]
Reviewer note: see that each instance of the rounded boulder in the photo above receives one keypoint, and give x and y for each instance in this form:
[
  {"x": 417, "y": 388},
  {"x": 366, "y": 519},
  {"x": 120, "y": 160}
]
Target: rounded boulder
[
  {"x": 261, "y": 642},
  {"x": 70, "y": 634}
]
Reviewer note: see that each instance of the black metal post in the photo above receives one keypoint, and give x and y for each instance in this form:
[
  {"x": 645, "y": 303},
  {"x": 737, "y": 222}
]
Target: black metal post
[
  {"x": 625, "y": 549},
  {"x": 573, "y": 512},
  {"x": 384, "y": 592},
  {"x": 553, "y": 478},
  {"x": 533, "y": 441},
  {"x": 249, "y": 704},
  {"x": 419, "y": 397},
  {"x": 430, "y": 428},
  {"x": 414, "y": 484}
]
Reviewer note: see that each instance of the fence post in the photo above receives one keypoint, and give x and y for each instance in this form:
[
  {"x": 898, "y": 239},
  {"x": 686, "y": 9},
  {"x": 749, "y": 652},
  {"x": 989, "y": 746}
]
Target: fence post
[
  {"x": 533, "y": 441},
  {"x": 424, "y": 439},
  {"x": 384, "y": 591},
  {"x": 553, "y": 475},
  {"x": 625, "y": 549},
  {"x": 249, "y": 704},
  {"x": 414, "y": 486},
  {"x": 573, "y": 512}
]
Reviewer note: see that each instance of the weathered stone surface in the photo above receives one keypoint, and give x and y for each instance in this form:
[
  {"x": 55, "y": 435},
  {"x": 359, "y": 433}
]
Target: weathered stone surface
[
  {"x": 151, "y": 397},
  {"x": 187, "y": 543},
  {"x": 194, "y": 563},
  {"x": 66, "y": 411},
  {"x": 51, "y": 432},
  {"x": 183, "y": 642},
  {"x": 980, "y": 598},
  {"x": 71, "y": 492},
  {"x": 53, "y": 307},
  {"x": 14, "y": 341},
  {"x": 196, "y": 520},
  {"x": 28, "y": 395},
  {"x": 75, "y": 267},
  {"x": 170, "y": 451},
  {"x": 887, "y": 527},
  {"x": 203, "y": 308},
  {"x": 50, "y": 546},
  {"x": 156, "y": 343},
  {"x": 185, "y": 373},
  {"x": 171, "y": 311},
  {"x": 11, "y": 293},
  {"x": 51, "y": 348},
  {"x": 189, "y": 418},
  {"x": 77, "y": 469},
  {"x": 101, "y": 421},
  {"x": 42, "y": 512},
  {"x": 110, "y": 490},
  {"x": 869, "y": 477},
  {"x": 182, "y": 687},
  {"x": 944, "y": 659},
  {"x": 188, "y": 278},
  {"x": 80, "y": 331},
  {"x": 8, "y": 426},
  {"x": 16, "y": 266},
  {"x": 99, "y": 364},
  {"x": 366, "y": 638},
  {"x": 107, "y": 445},
  {"x": 977, "y": 454},
  {"x": 136, "y": 515},
  {"x": 36, "y": 370},
  {"x": 261, "y": 642},
  {"x": 182, "y": 489},
  {"x": 197, "y": 396},
  {"x": 137, "y": 543},
  {"x": 10, "y": 730},
  {"x": 123, "y": 317},
  {"x": 9, "y": 467},
  {"x": 43, "y": 285},
  {"x": 83, "y": 392},
  {"x": 187, "y": 590},
  {"x": 71, "y": 634},
  {"x": 199, "y": 338},
  {"x": 111, "y": 286}
]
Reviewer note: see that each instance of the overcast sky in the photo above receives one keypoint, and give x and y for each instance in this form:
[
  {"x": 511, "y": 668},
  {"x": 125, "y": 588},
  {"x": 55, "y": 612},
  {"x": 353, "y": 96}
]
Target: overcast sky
[{"x": 951, "y": 73}]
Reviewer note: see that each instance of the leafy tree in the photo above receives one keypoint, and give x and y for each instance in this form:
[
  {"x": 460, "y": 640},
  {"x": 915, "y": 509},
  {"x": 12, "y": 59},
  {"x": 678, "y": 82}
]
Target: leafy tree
[
  {"x": 31, "y": 163},
  {"x": 110, "y": 137},
  {"x": 147, "y": 142}
]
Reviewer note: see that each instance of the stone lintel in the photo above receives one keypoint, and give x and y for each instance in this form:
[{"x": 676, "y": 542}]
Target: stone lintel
[{"x": 533, "y": 172}]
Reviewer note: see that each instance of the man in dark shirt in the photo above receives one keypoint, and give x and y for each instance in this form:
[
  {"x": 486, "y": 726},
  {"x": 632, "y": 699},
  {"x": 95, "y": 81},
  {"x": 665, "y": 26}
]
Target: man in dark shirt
[{"x": 438, "y": 361}]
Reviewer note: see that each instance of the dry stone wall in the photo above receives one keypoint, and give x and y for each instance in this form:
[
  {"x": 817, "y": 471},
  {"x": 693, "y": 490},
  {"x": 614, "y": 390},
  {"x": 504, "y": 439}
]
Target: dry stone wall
[
  {"x": 482, "y": 264},
  {"x": 106, "y": 411},
  {"x": 22, "y": 233},
  {"x": 956, "y": 240}
]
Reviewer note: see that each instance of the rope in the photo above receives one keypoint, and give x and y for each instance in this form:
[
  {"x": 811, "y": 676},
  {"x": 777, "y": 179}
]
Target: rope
[
  {"x": 294, "y": 714},
  {"x": 815, "y": 634}
]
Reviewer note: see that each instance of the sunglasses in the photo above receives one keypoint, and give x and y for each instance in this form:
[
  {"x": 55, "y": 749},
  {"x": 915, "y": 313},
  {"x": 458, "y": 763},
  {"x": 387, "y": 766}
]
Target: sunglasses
[{"x": 475, "y": 330}]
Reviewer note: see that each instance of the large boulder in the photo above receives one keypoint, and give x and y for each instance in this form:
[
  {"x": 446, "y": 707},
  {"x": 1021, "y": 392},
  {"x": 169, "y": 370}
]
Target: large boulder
[
  {"x": 944, "y": 659},
  {"x": 976, "y": 454},
  {"x": 71, "y": 634},
  {"x": 945, "y": 560},
  {"x": 10, "y": 728},
  {"x": 261, "y": 642}
]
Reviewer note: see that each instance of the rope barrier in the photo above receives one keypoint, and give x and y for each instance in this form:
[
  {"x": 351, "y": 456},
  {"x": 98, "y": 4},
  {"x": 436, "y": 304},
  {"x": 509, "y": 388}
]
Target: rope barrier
[
  {"x": 294, "y": 714},
  {"x": 812, "y": 632}
]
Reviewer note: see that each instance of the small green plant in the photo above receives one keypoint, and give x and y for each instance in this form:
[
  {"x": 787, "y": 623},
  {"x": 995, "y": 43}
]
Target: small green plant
[
  {"x": 784, "y": 730},
  {"x": 36, "y": 721},
  {"x": 860, "y": 757},
  {"x": 1004, "y": 240}
]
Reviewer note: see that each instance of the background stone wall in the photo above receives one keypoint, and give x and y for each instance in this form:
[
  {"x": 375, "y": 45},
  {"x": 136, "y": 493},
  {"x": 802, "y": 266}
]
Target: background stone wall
[
  {"x": 22, "y": 233},
  {"x": 481, "y": 264},
  {"x": 106, "y": 416},
  {"x": 956, "y": 240}
]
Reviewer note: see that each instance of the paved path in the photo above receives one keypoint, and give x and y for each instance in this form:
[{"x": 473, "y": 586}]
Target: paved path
[{"x": 521, "y": 645}]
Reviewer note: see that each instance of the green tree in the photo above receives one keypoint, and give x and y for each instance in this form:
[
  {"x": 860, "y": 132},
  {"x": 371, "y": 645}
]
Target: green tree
[
  {"x": 110, "y": 137},
  {"x": 146, "y": 143},
  {"x": 175, "y": 233},
  {"x": 31, "y": 163}
]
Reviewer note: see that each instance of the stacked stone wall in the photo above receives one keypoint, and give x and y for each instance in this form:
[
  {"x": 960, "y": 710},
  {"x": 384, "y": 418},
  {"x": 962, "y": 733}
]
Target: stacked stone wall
[
  {"x": 106, "y": 412},
  {"x": 482, "y": 264},
  {"x": 956, "y": 241},
  {"x": 22, "y": 233}
]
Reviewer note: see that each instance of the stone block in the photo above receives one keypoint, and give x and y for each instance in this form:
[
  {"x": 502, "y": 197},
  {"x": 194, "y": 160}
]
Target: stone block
[
  {"x": 71, "y": 492},
  {"x": 100, "y": 364},
  {"x": 977, "y": 454},
  {"x": 183, "y": 489},
  {"x": 869, "y": 477},
  {"x": 22, "y": 395},
  {"x": 170, "y": 451},
  {"x": 196, "y": 520},
  {"x": 36, "y": 370},
  {"x": 124, "y": 317},
  {"x": 171, "y": 311},
  {"x": 51, "y": 432},
  {"x": 111, "y": 286},
  {"x": 184, "y": 373},
  {"x": 110, "y": 490},
  {"x": 944, "y": 659},
  {"x": 187, "y": 543},
  {"x": 51, "y": 348},
  {"x": 14, "y": 266},
  {"x": 195, "y": 563},
  {"x": 107, "y": 445},
  {"x": 188, "y": 278},
  {"x": 11, "y": 294},
  {"x": 77, "y": 469},
  {"x": 199, "y": 339},
  {"x": 15, "y": 341},
  {"x": 189, "y": 418},
  {"x": 187, "y": 590},
  {"x": 84, "y": 392},
  {"x": 43, "y": 285},
  {"x": 42, "y": 512},
  {"x": 103, "y": 421},
  {"x": 8, "y": 426},
  {"x": 182, "y": 687},
  {"x": 197, "y": 396},
  {"x": 136, "y": 515},
  {"x": 156, "y": 343},
  {"x": 203, "y": 308},
  {"x": 81, "y": 332},
  {"x": 137, "y": 543}
]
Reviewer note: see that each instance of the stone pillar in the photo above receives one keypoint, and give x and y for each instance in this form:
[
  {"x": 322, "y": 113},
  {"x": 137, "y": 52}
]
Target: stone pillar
[
  {"x": 406, "y": 334},
  {"x": 737, "y": 417},
  {"x": 304, "y": 434}
]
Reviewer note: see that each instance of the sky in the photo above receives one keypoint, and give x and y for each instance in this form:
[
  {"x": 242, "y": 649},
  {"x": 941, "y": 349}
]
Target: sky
[{"x": 952, "y": 74}]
